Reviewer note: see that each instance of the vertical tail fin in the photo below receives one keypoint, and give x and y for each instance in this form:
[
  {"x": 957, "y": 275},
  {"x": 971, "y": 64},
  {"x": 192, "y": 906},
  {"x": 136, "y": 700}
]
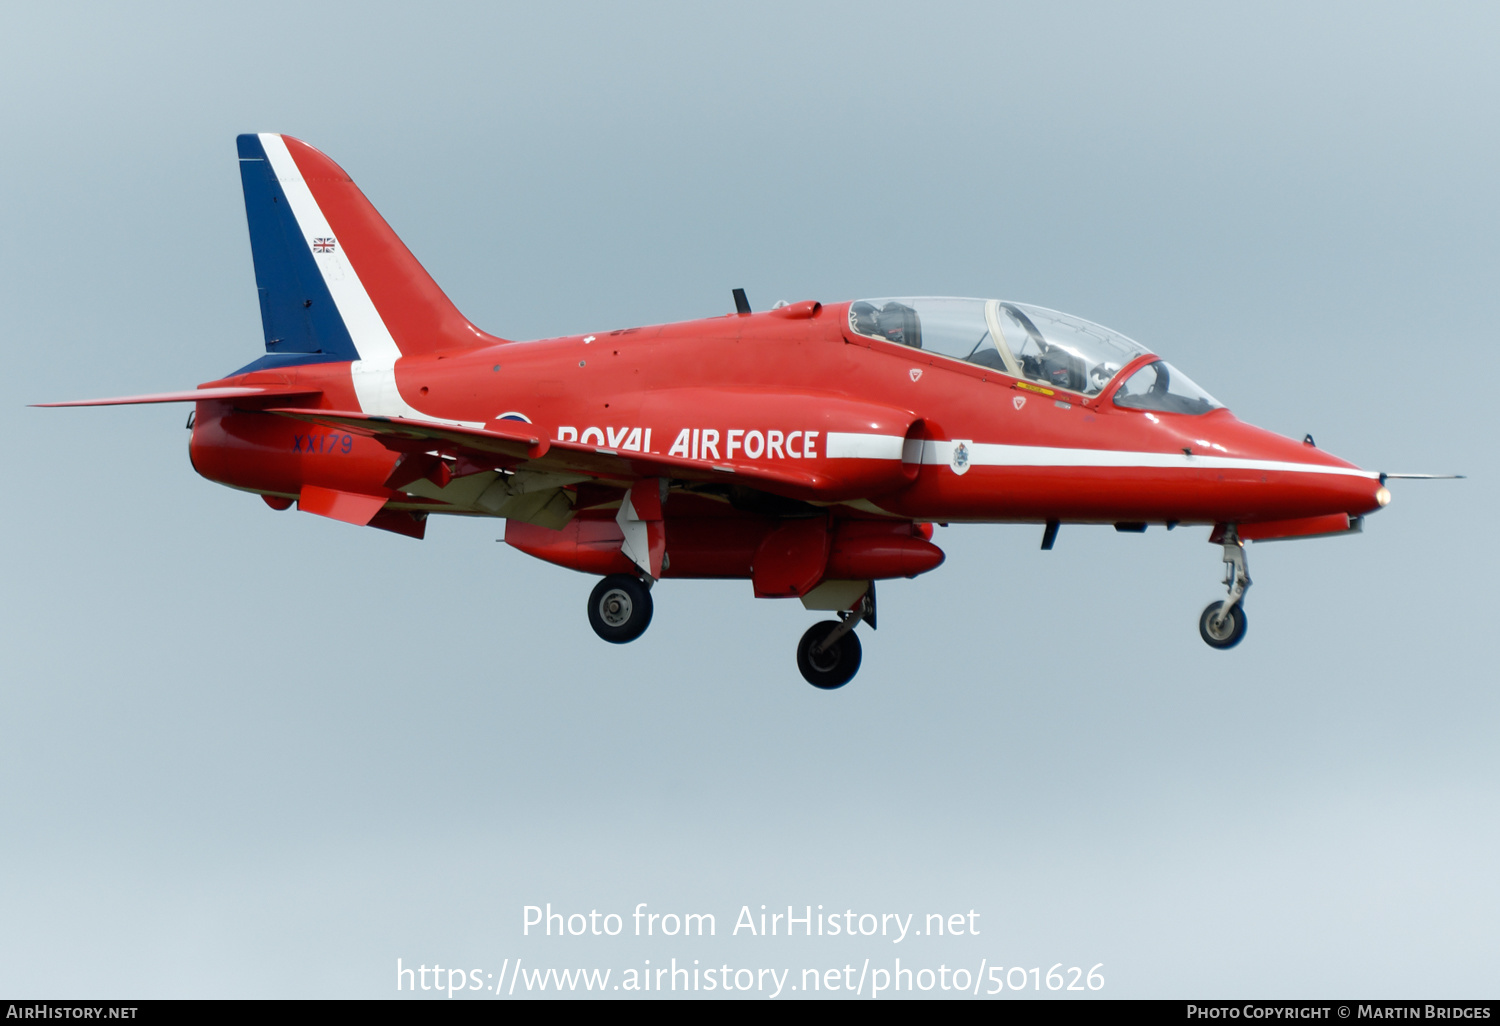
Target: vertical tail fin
[{"x": 335, "y": 281}]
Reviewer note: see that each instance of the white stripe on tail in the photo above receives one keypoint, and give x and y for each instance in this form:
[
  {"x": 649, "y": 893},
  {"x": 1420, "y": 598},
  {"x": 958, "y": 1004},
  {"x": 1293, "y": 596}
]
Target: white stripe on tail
[{"x": 374, "y": 373}]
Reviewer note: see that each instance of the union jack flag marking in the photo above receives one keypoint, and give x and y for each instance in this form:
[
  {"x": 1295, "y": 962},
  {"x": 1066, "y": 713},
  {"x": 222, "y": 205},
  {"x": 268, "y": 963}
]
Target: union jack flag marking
[{"x": 323, "y": 244}]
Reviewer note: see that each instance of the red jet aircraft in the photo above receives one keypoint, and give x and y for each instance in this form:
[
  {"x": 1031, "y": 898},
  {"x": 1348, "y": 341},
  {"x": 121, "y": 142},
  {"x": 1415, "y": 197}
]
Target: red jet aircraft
[{"x": 808, "y": 449}]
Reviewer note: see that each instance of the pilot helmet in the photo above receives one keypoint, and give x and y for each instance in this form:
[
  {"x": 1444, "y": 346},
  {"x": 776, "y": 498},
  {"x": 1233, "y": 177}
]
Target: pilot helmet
[{"x": 892, "y": 321}]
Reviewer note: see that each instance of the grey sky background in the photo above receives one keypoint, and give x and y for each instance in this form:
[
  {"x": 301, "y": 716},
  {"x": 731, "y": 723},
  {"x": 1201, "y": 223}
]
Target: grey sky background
[{"x": 246, "y": 753}]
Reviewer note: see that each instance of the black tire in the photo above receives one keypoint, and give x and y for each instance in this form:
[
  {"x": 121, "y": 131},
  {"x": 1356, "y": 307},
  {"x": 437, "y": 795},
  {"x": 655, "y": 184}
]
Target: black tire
[
  {"x": 620, "y": 609},
  {"x": 834, "y": 667},
  {"x": 1229, "y": 632}
]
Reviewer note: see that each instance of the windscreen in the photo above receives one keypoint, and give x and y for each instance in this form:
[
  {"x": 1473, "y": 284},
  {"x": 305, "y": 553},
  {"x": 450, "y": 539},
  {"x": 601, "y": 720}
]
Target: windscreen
[{"x": 1160, "y": 386}]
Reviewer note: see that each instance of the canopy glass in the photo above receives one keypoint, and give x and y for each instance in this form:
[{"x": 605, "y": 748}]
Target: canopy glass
[{"x": 1031, "y": 342}]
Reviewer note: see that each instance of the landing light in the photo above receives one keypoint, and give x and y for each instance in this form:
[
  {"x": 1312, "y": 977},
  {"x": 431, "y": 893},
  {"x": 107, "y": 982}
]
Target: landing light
[{"x": 1383, "y": 496}]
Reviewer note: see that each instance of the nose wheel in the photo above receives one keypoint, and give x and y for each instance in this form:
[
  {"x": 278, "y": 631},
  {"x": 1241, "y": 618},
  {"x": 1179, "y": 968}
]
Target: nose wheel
[
  {"x": 620, "y": 608},
  {"x": 1223, "y": 624},
  {"x": 1222, "y": 629}
]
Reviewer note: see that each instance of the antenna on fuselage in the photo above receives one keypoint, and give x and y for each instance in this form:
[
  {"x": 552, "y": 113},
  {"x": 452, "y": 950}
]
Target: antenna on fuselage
[
  {"x": 1049, "y": 535},
  {"x": 741, "y": 304}
]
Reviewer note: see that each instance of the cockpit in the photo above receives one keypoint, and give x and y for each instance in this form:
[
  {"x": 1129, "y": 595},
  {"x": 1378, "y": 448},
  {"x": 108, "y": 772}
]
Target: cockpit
[{"x": 1032, "y": 343}]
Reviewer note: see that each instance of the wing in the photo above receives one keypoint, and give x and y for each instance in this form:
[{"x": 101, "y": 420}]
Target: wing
[{"x": 507, "y": 448}]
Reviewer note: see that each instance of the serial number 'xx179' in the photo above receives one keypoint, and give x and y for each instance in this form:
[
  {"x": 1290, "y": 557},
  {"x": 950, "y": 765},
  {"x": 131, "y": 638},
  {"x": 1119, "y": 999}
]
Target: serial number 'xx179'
[{"x": 326, "y": 444}]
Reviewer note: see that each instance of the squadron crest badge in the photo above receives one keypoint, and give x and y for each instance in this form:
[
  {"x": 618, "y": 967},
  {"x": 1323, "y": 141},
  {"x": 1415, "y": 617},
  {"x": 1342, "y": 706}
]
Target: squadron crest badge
[{"x": 961, "y": 455}]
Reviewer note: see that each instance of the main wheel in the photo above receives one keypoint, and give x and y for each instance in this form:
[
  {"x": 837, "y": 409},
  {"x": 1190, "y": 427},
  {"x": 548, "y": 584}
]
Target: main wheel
[
  {"x": 836, "y": 665},
  {"x": 1226, "y": 632},
  {"x": 620, "y": 609}
]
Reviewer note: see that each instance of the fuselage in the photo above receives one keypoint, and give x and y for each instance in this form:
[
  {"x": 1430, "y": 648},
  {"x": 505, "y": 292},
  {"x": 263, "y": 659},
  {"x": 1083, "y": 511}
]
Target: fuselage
[{"x": 901, "y": 432}]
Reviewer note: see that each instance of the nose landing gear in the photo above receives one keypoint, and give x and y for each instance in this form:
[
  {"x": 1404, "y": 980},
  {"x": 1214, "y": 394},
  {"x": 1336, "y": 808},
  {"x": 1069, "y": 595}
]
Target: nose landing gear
[
  {"x": 620, "y": 608},
  {"x": 1223, "y": 624}
]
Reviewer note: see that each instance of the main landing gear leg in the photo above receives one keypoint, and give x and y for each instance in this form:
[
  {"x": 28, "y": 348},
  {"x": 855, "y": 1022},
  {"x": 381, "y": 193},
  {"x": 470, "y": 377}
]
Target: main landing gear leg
[
  {"x": 1223, "y": 624},
  {"x": 829, "y": 653}
]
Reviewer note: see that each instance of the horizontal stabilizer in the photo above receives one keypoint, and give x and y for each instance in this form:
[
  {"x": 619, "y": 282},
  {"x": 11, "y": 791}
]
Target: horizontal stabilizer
[
  {"x": 507, "y": 448},
  {"x": 192, "y": 396}
]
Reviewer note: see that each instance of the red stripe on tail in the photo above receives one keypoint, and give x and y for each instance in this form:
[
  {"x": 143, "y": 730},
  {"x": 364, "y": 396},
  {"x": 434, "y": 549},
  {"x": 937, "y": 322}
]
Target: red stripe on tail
[{"x": 419, "y": 316}]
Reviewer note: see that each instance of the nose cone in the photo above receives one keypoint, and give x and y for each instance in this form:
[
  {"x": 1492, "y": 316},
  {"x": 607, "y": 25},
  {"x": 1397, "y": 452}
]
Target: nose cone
[{"x": 1300, "y": 479}]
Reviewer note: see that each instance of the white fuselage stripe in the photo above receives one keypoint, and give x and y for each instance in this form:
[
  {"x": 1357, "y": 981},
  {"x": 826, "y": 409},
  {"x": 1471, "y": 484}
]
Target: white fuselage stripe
[
  {"x": 990, "y": 454},
  {"x": 374, "y": 373},
  {"x": 848, "y": 445}
]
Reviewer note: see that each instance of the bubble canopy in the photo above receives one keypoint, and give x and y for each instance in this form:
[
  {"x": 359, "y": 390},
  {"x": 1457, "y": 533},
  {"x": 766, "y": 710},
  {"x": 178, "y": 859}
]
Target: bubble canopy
[{"x": 1030, "y": 342}]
